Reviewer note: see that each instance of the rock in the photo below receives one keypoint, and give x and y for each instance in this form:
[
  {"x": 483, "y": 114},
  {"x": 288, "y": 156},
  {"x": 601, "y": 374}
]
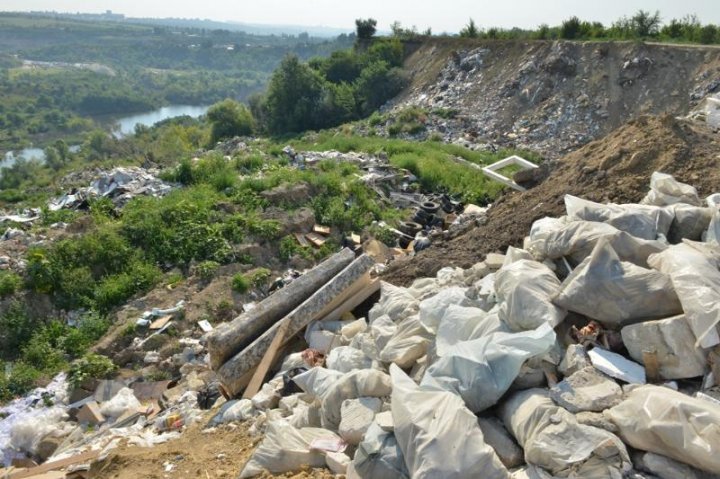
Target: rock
[
  {"x": 586, "y": 390},
  {"x": 290, "y": 195},
  {"x": 666, "y": 468},
  {"x": 385, "y": 421},
  {"x": 337, "y": 462},
  {"x": 356, "y": 417},
  {"x": 596, "y": 419},
  {"x": 672, "y": 341},
  {"x": 495, "y": 434},
  {"x": 574, "y": 360},
  {"x": 494, "y": 260},
  {"x": 47, "y": 447}
]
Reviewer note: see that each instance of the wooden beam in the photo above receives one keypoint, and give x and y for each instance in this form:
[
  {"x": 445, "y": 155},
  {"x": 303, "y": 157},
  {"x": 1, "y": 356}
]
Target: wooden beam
[
  {"x": 54, "y": 465},
  {"x": 268, "y": 359}
]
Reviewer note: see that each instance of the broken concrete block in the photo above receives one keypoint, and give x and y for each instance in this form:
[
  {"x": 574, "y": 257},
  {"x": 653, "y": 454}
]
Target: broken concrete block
[
  {"x": 356, "y": 417},
  {"x": 495, "y": 434},
  {"x": 673, "y": 343},
  {"x": 575, "y": 359},
  {"x": 337, "y": 462},
  {"x": 47, "y": 447},
  {"x": 494, "y": 260},
  {"x": 90, "y": 414},
  {"x": 617, "y": 366},
  {"x": 385, "y": 421},
  {"x": 596, "y": 419},
  {"x": 586, "y": 390}
]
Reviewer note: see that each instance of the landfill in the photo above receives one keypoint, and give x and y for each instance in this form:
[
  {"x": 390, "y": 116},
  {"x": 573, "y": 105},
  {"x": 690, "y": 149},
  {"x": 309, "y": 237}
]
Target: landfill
[{"x": 592, "y": 352}]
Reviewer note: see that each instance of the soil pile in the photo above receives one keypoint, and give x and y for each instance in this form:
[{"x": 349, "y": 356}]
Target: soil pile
[{"x": 615, "y": 169}]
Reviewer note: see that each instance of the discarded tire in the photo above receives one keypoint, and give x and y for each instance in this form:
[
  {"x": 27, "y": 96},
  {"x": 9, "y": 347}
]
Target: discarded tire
[
  {"x": 410, "y": 227},
  {"x": 430, "y": 207},
  {"x": 404, "y": 242}
]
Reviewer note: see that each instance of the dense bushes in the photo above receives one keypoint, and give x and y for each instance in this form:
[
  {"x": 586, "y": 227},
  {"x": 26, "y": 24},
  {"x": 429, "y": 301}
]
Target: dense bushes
[
  {"x": 326, "y": 92},
  {"x": 228, "y": 119}
]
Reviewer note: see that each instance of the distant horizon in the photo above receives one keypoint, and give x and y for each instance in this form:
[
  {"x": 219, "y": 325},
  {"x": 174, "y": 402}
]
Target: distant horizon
[{"x": 450, "y": 16}]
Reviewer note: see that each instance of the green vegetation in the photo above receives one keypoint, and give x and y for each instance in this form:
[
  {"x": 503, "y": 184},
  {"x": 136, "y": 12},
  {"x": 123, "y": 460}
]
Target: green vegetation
[
  {"x": 89, "y": 367},
  {"x": 326, "y": 92},
  {"x": 9, "y": 283},
  {"x": 228, "y": 119},
  {"x": 643, "y": 25},
  {"x": 240, "y": 283}
]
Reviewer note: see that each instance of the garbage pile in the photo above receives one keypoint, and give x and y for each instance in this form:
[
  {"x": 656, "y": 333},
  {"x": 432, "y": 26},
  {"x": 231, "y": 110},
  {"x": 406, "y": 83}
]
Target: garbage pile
[
  {"x": 120, "y": 184},
  {"x": 592, "y": 352}
]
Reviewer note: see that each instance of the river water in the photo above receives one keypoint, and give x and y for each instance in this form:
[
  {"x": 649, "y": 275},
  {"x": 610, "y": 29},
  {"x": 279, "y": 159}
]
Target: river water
[{"x": 124, "y": 126}]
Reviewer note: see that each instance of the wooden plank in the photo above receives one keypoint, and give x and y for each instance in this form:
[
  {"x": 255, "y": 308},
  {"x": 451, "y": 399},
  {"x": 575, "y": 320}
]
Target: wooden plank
[
  {"x": 323, "y": 230},
  {"x": 50, "y": 475},
  {"x": 353, "y": 301},
  {"x": 652, "y": 367},
  {"x": 267, "y": 361},
  {"x": 355, "y": 238},
  {"x": 301, "y": 239},
  {"x": 315, "y": 239},
  {"x": 160, "y": 322},
  {"x": 54, "y": 465}
]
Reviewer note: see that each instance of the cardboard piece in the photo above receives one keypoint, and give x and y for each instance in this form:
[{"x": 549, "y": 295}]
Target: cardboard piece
[
  {"x": 315, "y": 239},
  {"x": 90, "y": 414},
  {"x": 160, "y": 322},
  {"x": 205, "y": 325},
  {"x": 323, "y": 230}
]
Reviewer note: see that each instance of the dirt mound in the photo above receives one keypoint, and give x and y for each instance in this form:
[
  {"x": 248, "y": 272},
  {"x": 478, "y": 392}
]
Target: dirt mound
[
  {"x": 615, "y": 169},
  {"x": 211, "y": 454}
]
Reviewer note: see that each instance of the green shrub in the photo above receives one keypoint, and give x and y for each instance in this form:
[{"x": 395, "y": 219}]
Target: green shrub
[
  {"x": 206, "y": 270},
  {"x": 22, "y": 379},
  {"x": 9, "y": 283},
  {"x": 16, "y": 329},
  {"x": 91, "y": 366},
  {"x": 259, "y": 277},
  {"x": 240, "y": 283}
]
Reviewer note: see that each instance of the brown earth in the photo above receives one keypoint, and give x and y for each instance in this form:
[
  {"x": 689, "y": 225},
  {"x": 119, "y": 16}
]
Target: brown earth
[
  {"x": 213, "y": 454},
  {"x": 616, "y": 169}
]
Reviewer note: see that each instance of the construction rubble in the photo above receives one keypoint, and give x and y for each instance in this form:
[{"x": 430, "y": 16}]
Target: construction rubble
[
  {"x": 593, "y": 352},
  {"x": 590, "y": 353}
]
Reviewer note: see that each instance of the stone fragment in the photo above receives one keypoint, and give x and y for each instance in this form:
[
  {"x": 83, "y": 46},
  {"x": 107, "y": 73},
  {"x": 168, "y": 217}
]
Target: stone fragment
[
  {"x": 596, "y": 419},
  {"x": 586, "y": 390},
  {"x": 494, "y": 260},
  {"x": 495, "y": 434},
  {"x": 673, "y": 343},
  {"x": 356, "y": 417},
  {"x": 574, "y": 360}
]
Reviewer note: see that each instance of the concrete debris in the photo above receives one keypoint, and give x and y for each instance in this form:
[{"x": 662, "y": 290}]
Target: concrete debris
[
  {"x": 586, "y": 390},
  {"x": 120, "y": 184}
]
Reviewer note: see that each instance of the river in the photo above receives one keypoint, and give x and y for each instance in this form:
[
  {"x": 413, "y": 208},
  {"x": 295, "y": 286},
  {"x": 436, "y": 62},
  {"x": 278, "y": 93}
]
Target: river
[{"x": 123, "y": 127}]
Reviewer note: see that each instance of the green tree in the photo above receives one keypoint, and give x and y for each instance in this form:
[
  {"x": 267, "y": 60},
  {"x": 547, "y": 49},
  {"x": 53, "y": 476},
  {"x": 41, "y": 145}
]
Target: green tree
[
  {"x": 646, "y": 24},
  {"x": 365, "y": 29},
  {"x": 228, "y": 119},
  {"x": 470, "y": 30},
  {"x": 570, "y": 28},
  {"x": 293, "y": 98},
  {"x": 377, "y": 84}
]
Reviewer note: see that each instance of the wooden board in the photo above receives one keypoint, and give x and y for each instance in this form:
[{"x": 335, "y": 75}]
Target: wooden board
[
  {"x": 355, "y": 238},
  {"x": 356, "y": 299},
  {"x": 268, "y": 359},
  {"x": 160, "y": 322},
  {"x": 54, "y": 465},
  {"x": 301, "y": 239},
  {"x": 323, "y": 230},
  {"x": 315, "y": 239}
]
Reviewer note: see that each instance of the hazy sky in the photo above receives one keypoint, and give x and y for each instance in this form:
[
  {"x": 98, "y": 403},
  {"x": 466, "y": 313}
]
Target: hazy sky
[{"x": 445, "y": 15}]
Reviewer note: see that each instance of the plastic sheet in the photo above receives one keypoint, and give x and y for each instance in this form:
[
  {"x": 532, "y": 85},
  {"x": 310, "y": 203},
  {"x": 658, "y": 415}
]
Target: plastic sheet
[
  {"x": 667, "y": 422},
  {"x": 695, "y": 276},
  {"x": 287, "y": 449},
  {"x": 438, "y": 435},
  {"x": 408, "y": 343},
  {"x": 122, "y": 402},
  {"x": 666, "y": 190},
  {"x": 642, "y": 221},
  {"x": 524, "y": 289},
  {"x": 615, "y": 292},
  {"x": 554, "y": 440},
  {"x": 482, "y": 370},
  {"x": 690, "y": 222},
  {"x": 433, "y": 308},
  {"x": 317, "y": 381},
  {"x": 346, "y": 359},
  {"x": 397, "y": 303},
  {"x": 462, "y": 323}
]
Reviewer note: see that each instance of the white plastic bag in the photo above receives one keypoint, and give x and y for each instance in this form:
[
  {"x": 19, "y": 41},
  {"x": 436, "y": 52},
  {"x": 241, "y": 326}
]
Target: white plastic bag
[
  {"x": 666, "y": 190},
  {"x": 122, "y": 402},
  {"x": 317, "y": 381},
  {"x": 409, "y": 342},
  {"x": 355, "y": 384},
  {"x": 482, "y": 370},
  {"x": 577, "y": 239},
  {"x": 463, "y": 323},
  {"x": 378, "y": 456},
  {"x": 615, "y": 292},
  {"x": 397, "y": 303},
  {"x": 554, "y": 440},
  {"x": 438, "y": 435},
  {"x": 642, "y": 221},
  {"x": 660, "y": 420},
  {"x": 524, "y": 289},
  {"x": 696, "y": 279},
  {"x": 346, "y": 359},
  {"x": 287, "y": 449},
  {"x": 433, "y": 308},
  {"x": 690, "y": 222}
]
